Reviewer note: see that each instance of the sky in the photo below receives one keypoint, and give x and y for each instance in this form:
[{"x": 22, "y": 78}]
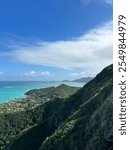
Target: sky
[{"x": 54, "y": 39}]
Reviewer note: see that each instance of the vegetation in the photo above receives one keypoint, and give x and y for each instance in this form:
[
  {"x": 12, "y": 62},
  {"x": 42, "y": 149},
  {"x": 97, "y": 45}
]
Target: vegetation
[
  {"x": 61, "y": 91},
  {"x": 82, "y": 121},
  {"x": 37, "y": 97},
  {"x": 20, "y": 115}
]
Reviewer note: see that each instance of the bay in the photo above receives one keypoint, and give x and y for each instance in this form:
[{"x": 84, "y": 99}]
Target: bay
[{"x": 10, "y": 90}]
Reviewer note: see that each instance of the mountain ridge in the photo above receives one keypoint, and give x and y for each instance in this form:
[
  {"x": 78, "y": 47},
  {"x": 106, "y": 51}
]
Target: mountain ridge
[
  {"x": 83, "y": 79},
  {"x": 67, "y": 122}
]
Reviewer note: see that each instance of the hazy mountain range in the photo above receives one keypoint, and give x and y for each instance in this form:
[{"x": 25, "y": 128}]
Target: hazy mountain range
[{"x": 84, "y": 79}]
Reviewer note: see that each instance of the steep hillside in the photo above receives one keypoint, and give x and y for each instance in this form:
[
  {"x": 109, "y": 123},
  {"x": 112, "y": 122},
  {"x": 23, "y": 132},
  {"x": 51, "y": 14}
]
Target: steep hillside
[
  {"x": 81, "y": 122},
  {"x": 61, "y": 91},
  {"x": 90, "y": 126},
  {"x": 20, "y": 115}
]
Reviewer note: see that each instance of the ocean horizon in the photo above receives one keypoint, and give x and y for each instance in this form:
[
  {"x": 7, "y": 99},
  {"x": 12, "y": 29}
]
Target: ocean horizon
[{"x": 12, "y": 90}]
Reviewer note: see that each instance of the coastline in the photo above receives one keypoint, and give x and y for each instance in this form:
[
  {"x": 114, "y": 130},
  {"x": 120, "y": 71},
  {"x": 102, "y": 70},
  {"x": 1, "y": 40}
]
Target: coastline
[
  {"x": 15, "y": 90},
  {"x": 36, "y": 97}
]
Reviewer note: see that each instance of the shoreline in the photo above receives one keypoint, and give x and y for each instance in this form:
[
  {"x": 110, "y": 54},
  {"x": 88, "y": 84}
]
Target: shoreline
[
  {"x": 10, "y": 94},
  {"x": 36, "y": 97}
]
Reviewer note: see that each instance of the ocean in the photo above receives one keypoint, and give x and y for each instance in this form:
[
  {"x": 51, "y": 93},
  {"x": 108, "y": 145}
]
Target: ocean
[{"x": 10, "y": 90}]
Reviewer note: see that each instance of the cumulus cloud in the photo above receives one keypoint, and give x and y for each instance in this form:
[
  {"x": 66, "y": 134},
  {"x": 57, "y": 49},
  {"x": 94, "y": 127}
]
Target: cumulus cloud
[
  {"x": 91, "y": 51},
  {"x": 78, "y": 74},
  {"x": 36, "y": 74},
  {"x": 31, "y": 73}
]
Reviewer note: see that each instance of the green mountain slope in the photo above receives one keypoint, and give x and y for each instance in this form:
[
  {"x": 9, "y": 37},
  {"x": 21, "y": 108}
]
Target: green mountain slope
[
  {"x": 62, "y": 91},
  {"x": 90, "y": 126},
  {"x": 16, "y": 117},
  {"x": 81, "y": 122}
]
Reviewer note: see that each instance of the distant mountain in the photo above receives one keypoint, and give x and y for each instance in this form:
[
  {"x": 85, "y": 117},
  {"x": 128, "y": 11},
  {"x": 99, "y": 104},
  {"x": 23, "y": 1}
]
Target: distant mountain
[
  {"x": 85, "y": 79},
  {"x": 82, "y": 121}
]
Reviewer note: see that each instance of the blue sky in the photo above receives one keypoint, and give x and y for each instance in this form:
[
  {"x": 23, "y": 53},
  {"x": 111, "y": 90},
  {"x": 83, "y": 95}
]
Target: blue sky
[{"x": 54, "y": 39}]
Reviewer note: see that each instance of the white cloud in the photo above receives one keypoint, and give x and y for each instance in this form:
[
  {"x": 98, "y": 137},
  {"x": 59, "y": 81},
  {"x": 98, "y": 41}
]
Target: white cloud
[
  {"x": 46, "y": 73},
  {"x": 77, "y": 75},
  {"x": 91, "y": 51},
  {"x": 37, "y": 74},
  {"x": 74, "y": 75},
  {"x": 31, "y": 73}
]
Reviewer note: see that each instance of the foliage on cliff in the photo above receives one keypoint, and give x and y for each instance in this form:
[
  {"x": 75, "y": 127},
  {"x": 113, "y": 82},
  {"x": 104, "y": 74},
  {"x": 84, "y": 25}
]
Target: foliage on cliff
[{"x": 82, "y": 121}]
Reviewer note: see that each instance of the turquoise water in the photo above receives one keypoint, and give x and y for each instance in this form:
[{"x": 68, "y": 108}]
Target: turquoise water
[{"x": 10, "y": 90}]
